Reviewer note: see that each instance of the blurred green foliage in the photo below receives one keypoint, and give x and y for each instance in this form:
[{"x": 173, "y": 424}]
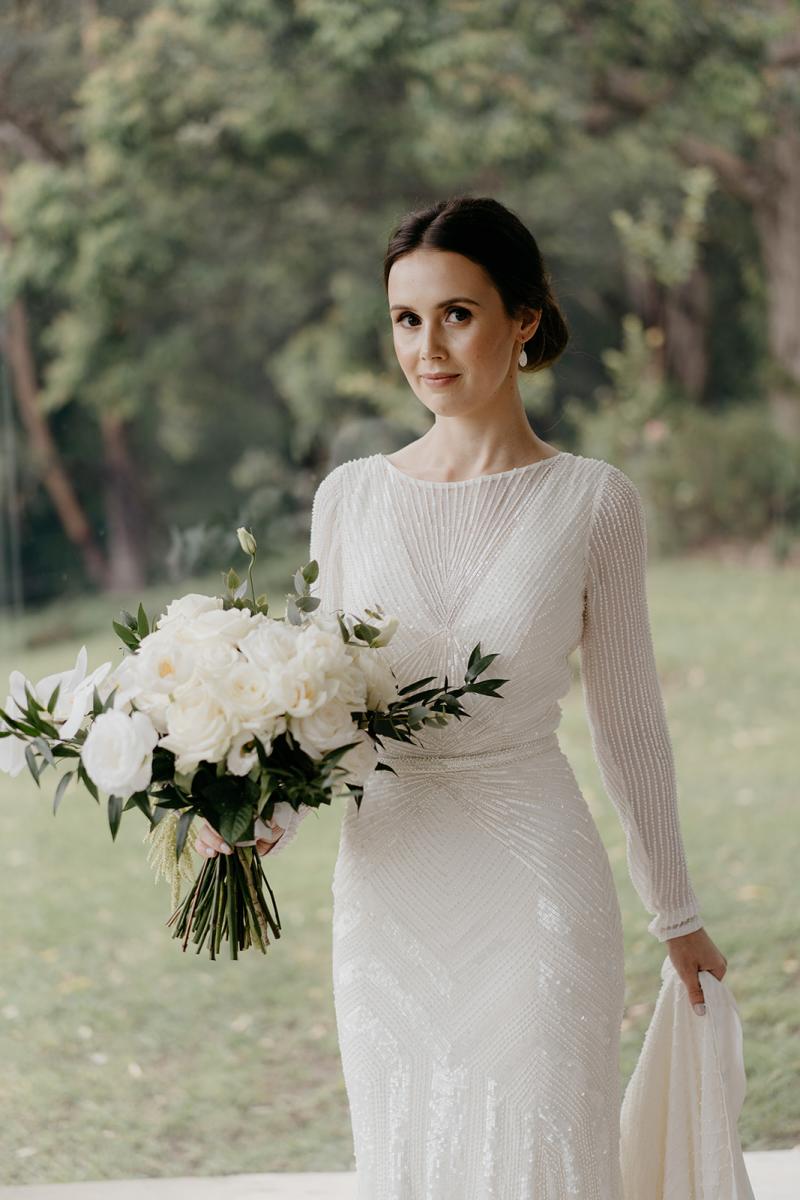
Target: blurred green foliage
[{"x": 197, "y": 196}]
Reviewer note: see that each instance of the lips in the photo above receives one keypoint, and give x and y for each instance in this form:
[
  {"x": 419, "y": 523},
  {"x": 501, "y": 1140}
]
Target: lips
[{"x": 439, "y": 378}]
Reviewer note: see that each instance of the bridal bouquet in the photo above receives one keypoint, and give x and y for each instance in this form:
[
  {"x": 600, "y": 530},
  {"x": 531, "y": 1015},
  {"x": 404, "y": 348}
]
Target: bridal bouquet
[{"x": 224, "y": 712}]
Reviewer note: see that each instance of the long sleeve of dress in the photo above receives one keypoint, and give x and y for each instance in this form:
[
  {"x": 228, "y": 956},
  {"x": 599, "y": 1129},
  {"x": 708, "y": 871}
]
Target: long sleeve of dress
[
  {"x": 324, "y": 547},
  {"x": 625, "y": 708}
]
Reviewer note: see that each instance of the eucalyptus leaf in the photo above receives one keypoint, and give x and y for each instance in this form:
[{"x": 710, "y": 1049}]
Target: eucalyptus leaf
[
  {"x": 61, "y": 789},
  {"x": 114, "y": 815}
]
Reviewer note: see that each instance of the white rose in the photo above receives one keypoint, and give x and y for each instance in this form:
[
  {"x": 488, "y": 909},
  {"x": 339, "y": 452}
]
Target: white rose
[
  {"x": 161, "y": 664},
  {"x": 270, "y": 644},
  {"x": 214, "y": 659},
  {"x": 117, "y": 753},
  {"x": 187, "y": 607},
  {"x": 327, "y": 727},
  {"x": 230, "y": 625},
  {"x": 321, "y": 651},
  {"x": 380, "y": 683},
  {"x": 198, "y": 726},
  {"x": 240, "y": 759},
  {"x": 248, "y": 698},
  {"x": 303, "y": 692}
]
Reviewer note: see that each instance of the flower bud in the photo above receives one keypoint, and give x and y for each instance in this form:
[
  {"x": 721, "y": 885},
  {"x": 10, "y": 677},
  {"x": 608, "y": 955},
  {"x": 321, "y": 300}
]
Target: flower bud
[
  {"x": 387, "y": 632},
  {"x": 246, "y": 541}
]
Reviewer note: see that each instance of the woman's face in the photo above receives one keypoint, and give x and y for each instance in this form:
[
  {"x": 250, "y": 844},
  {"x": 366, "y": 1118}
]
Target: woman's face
[{"x": 448, "y": 318}]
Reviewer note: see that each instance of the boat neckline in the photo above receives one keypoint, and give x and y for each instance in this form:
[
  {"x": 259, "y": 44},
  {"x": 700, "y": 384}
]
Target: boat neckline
[{"x": 444, "y": 483}]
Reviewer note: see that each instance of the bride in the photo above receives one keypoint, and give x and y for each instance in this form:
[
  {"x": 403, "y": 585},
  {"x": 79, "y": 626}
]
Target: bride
[{"x": 478, "y": 965}]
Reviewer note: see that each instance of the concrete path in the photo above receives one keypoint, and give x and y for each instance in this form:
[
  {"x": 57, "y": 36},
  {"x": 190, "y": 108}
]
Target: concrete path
[{"x": 774, "y": 1174}]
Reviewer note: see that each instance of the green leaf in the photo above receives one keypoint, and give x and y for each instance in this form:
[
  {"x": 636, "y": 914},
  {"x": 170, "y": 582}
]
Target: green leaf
[
  {"x": 87, "y": 782},
  {"x": 311, "y": 571},
  {"x": 125, "y": 635},
  {"x": 142, "y": 622},
  {"x": 236, "y": 822},
  {"x": 32, "y": 764},
  {"x": 261, "y": 751},
  {"x": 54, "y": 696},
  {"x": 232, "y": 580},
  {"x": 34, "y": 705},
  {"x": 128, "y": 619},
  {"x": 183, "y": 830},
  {"x": 62, "y": 787},
  {"x": 114, "y": 814},
  {"x": 41, "y": 745}
]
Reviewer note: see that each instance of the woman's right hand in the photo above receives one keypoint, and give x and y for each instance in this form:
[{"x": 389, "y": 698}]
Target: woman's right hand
[{"x": 209, "y": 843}]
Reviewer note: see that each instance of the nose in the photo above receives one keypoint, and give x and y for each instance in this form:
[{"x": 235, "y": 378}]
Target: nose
[{"x": 429, "y": 344}]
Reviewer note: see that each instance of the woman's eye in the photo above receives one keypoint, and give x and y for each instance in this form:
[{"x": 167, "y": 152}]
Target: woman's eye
[{"x": 454, "y": 308}]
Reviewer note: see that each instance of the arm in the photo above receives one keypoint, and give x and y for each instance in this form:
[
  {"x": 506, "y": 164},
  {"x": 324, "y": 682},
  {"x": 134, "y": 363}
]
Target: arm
[
  {"x": 324, "y": 547},
  {"x": 625, "y": 708}
]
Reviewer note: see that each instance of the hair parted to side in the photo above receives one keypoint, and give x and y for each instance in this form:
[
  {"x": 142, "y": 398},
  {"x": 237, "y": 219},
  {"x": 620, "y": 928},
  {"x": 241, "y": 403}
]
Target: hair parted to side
[{"x": 484, "y": 230}]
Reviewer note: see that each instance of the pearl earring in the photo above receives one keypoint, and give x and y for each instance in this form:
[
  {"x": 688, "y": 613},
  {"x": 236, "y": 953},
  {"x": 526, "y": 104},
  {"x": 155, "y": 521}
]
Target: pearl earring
[{"x": 523, "y": 359}]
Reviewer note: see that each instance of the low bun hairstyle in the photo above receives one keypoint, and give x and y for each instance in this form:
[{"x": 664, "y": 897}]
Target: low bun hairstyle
[{"x": 488, "y": 233}]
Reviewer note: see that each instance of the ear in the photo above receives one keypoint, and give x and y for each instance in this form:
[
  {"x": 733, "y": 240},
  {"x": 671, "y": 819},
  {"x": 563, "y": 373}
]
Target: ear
[{"x": 531, "y": 318}]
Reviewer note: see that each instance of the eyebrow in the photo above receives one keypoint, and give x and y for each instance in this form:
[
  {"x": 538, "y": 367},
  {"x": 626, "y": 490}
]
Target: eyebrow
[{"x": 444, "y": 303}]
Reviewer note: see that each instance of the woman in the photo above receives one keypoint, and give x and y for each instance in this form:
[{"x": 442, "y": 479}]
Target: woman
[{"x": 477, "y": 944}]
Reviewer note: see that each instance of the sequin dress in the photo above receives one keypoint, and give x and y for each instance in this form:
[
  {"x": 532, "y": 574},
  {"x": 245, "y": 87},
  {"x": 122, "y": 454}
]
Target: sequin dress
[{"x": 477, "y": 950}]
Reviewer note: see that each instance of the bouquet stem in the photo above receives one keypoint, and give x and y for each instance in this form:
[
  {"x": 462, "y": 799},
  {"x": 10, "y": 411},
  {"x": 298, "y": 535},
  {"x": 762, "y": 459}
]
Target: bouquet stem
[{"x": 227, "y": 900}]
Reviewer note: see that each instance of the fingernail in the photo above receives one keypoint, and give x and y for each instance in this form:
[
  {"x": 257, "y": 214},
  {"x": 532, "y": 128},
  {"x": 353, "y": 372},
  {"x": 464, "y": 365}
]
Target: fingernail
[
  {"x": 700, "y": 1009},
  {"x": 226, "y": 847}
]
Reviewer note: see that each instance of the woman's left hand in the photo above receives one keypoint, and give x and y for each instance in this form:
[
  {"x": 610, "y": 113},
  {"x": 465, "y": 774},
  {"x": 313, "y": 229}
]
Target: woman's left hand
[{"x": 693, "y": 952}]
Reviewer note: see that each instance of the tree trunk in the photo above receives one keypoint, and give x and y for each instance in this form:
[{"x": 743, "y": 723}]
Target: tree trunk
[
  {"x": 777, "y": 220},
  {"x": 124, "y": 509},
  {"x": 686, "y": 320},
  {"x": 47, "y": 457}
]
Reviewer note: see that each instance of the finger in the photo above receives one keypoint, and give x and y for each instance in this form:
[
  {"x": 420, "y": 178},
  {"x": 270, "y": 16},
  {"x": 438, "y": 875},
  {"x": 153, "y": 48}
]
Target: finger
[
  {"x": 212, "y": 841},
  {"x": 696, "y": 997}
]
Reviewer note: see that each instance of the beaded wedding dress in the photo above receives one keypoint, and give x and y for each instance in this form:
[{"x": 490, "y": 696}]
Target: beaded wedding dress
[{"x": 477, "y": 961}]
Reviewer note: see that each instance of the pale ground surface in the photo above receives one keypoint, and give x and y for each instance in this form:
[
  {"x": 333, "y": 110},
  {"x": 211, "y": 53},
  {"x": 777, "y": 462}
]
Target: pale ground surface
[{"x": 774, "y": 1174}]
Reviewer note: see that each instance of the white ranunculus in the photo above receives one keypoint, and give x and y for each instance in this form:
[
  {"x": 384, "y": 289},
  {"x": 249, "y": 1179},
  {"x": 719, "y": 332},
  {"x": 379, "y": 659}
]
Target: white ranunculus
[
  {"x": 187, "y": 607},
  {"x": 240, "y": 760},
  {"x": 248, "y": 698},
  {"x": 328, "y": 726},
  {"x": 198, "y": 726},
  {"x": 381, "y": 685},
  {"x": 270, "y": 643},
  {"x": 118, "y": 752}
]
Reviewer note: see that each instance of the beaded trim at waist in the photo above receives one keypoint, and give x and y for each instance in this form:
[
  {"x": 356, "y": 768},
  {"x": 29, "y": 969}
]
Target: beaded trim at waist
[{"x": 481, "y": 758}]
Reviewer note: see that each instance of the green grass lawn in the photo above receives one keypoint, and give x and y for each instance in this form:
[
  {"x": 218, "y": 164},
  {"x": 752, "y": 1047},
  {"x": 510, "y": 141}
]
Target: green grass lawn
[{"x": 124, "y": 1057}]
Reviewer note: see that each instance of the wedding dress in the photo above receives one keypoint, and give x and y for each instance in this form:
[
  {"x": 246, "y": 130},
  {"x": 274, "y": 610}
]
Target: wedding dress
[{"x": 478, "y": 967}]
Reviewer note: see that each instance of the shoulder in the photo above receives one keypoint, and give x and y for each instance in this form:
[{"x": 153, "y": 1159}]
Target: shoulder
[
  {"x": 339, "y": 484},
  {"x": 345, "y": 476},
  {"x": 616, "y": 496}
]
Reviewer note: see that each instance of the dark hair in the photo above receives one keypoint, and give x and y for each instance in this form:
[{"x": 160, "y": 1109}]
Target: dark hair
[{"x": 484, "y": 230}]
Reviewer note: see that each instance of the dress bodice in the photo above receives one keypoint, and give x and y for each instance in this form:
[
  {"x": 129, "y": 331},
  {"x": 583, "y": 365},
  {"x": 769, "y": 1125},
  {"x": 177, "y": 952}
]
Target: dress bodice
[{"x": 532, "y": 563}]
